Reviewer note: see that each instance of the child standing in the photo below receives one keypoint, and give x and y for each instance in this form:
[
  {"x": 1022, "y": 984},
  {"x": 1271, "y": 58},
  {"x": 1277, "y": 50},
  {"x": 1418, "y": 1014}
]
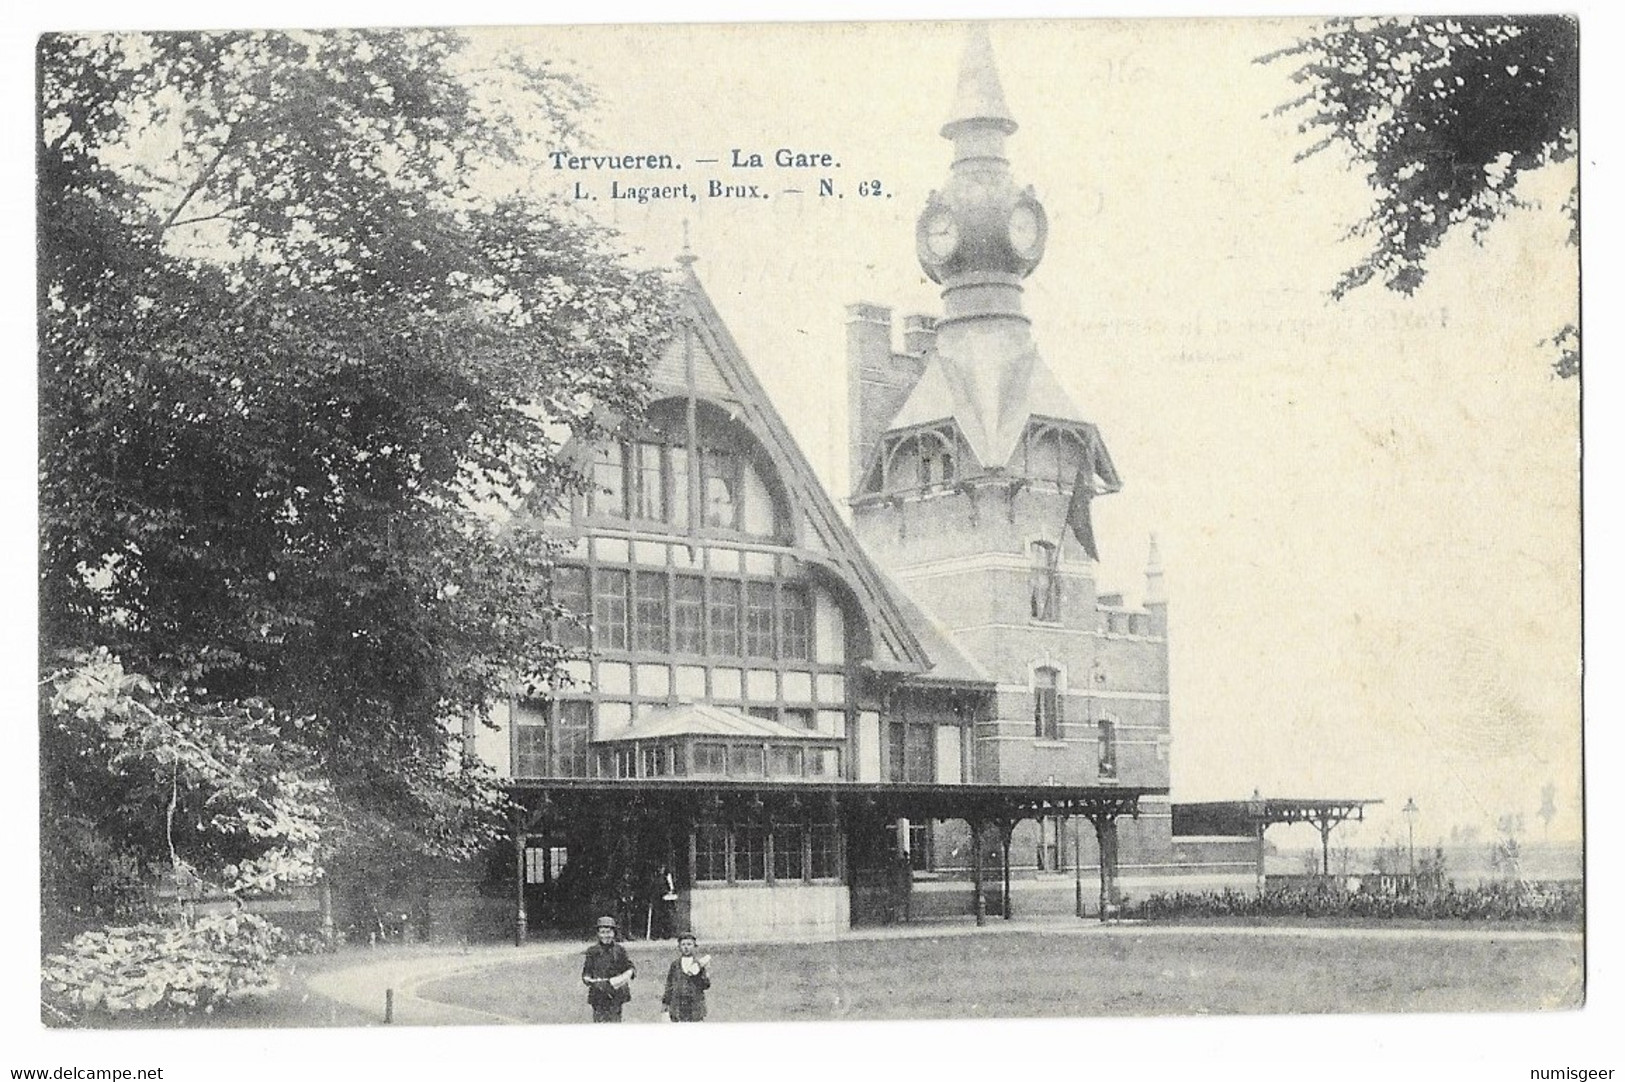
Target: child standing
[{"x": 686, "y": 982}]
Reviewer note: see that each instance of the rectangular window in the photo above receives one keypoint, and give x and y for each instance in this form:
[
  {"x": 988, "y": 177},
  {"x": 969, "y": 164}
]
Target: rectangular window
[
  {"x": 711, "y": 854},
  {"x": 750, "y": 853},
  {"x": 785, "y": 762},
  {"x": 1046, "y": 705},
  {"x": 796, "y": 622},
  {"x": 654, "y": 762},
  {"x": 759, "y": 619},
  {"x": 651, "y": 612},
  {"x": 1042, "y": 582},
  {"x": 896, "y": 743},
  {"x": 919, "y": 845},
  {"x": 746, "y": 761},
  {"x": 711, "y": 759},
  {"x": 800, "y": 719},
  {"x": 570, "y": 594},
  {"x": 536, "y": 863},
  {"x": 678, "y": 499},
  {"x": 530, "y": 758},
  {"x": 789, "y": 861},
  {"x": 1050, "y": 850},
  {"x": 573, "y": 721},
  {"x": 626, "y": 763},
  {"x": 719, "y": 489},
  {"x": 724, "y": 613},
  {"x": 609, "y": 607},
  {"x": 688, "y": 614},
  {"x": 826, "y": 852},
  {"x": 608, "y": 495},
  {"x": 918, "y": 756},
  {"x": 1108, "y": 749},
  {"x": 649, "y": 490},
  {"x": 823, "y": 763}
]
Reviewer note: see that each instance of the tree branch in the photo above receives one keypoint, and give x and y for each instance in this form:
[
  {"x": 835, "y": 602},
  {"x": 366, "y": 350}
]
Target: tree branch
[{"x": 197, "y": 185}]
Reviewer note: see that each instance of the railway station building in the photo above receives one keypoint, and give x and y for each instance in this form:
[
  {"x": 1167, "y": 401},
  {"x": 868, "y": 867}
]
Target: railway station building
[{"x": 786, "y": 719}]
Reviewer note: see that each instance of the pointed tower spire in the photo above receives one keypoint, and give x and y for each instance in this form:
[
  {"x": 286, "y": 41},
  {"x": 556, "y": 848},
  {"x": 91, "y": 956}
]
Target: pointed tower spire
[
  {"x": 686, "y": 258},
  {"x": 978, "y": 99},
  {"x": 1156, "y": 593}
]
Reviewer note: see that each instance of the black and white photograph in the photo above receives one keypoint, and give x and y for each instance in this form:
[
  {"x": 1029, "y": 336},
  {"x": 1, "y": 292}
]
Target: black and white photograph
[{"x": 1052, "y": 535}]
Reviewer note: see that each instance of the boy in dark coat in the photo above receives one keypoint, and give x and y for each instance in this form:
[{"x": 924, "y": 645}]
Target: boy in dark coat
[
  {"x": 686, "y": 982},
  {"x": 607, "y": 972}
]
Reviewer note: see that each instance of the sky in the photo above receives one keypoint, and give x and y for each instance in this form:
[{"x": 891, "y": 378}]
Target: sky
[{"x": 1367, "y": 509}]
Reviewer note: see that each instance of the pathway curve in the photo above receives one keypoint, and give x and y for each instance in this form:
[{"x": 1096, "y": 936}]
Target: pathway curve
[{"x": 364, "y": 986}]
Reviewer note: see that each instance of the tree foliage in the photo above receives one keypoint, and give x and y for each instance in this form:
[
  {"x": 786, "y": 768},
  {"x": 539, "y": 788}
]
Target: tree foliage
[
  {"x": 157, "y": 966},
  {"x": 305, "y": 369},
  {"x": 218, "y": 794},
  {"x": 1446, "y": 115}
]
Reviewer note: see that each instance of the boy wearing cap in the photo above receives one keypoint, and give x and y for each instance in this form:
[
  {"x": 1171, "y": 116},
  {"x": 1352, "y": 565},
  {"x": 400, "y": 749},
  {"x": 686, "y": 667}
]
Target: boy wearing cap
[
  {"x": 686, "y": 982},
  {"x": 607, "y": 973}
]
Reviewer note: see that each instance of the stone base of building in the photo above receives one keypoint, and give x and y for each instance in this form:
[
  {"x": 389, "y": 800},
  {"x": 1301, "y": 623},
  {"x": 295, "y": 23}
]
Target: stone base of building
[{"x": 769, "y": 912}]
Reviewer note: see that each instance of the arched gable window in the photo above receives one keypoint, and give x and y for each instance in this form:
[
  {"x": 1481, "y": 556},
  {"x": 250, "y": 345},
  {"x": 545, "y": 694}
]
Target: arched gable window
[
  {"x": 713, "y": 478},
  {"x": 921, "y": 461},
  {"x": 1054, "y": 454}
]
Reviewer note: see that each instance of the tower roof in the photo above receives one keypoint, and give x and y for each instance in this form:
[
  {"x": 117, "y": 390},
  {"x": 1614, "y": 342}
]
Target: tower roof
[
  {"x": 978, "y": 98},
  {"x": 989, "y": 392}
]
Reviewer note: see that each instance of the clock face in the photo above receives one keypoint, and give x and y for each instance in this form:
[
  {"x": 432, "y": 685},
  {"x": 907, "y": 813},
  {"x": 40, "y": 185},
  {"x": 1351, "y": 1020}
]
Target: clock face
[
  {"x": 942, "y": 235},
  {"x": 1024, "y": 231}
]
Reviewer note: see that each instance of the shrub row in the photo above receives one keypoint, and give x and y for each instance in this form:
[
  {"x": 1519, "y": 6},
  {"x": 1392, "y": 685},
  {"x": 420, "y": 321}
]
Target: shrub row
[{"x": 1541, "y": 902}]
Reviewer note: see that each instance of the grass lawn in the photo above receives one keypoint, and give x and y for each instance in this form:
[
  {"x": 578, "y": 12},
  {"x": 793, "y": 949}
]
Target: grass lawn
[{"x": 1191, "y": 970}]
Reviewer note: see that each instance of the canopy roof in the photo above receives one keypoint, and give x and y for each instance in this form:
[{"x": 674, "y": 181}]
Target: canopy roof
[{"x": 704, "y": 719}]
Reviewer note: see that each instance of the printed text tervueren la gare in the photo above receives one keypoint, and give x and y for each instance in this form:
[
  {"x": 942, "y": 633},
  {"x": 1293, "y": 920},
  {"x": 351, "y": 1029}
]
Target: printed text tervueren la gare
[
  {"x": 563, "y": 159},
  {"x": 783, "y": 157}
]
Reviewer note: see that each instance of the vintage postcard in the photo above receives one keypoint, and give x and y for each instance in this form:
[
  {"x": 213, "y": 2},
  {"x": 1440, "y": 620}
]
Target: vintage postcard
[{"x": 935, "y": 521}]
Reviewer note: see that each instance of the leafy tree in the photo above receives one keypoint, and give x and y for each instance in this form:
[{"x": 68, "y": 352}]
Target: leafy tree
[
  {"x": 305, "y": 372},
  {"x": 1446, "y": 115}
]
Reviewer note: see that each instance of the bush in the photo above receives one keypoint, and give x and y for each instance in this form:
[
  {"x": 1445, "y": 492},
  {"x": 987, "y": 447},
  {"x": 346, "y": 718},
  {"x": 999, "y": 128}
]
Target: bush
[
  {"x": 1540, "y": 902},
  {"x": 189, "y": 965}
]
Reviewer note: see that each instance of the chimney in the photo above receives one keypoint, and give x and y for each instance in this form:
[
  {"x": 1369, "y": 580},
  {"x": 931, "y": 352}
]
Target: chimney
[
  {"x": 878, "y": 381},
  {"x": 919, "y": 335}
]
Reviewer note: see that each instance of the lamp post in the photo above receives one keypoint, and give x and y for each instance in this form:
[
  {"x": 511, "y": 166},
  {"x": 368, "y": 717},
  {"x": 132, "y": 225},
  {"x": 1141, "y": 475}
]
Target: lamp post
[
  {"x": 1410, "y": 811},
  {"x": 1077, "y": 871}
]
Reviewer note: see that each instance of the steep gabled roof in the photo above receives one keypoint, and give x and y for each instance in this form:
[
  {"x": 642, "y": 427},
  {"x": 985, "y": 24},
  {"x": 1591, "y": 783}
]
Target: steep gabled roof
[{"x": 818, "y": 525}]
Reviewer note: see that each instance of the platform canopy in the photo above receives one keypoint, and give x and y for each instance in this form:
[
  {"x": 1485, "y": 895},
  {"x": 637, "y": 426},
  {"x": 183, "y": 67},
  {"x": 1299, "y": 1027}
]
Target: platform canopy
[
  {"x": 1242, "y": 818},
  {"x": 882, "y": 800},
  {"x": 1250, "y": 818}
]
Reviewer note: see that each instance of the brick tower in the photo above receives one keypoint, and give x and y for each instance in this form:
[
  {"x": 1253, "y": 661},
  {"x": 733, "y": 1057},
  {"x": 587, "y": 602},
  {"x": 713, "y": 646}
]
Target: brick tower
[{"x": 968, "y": 457}]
